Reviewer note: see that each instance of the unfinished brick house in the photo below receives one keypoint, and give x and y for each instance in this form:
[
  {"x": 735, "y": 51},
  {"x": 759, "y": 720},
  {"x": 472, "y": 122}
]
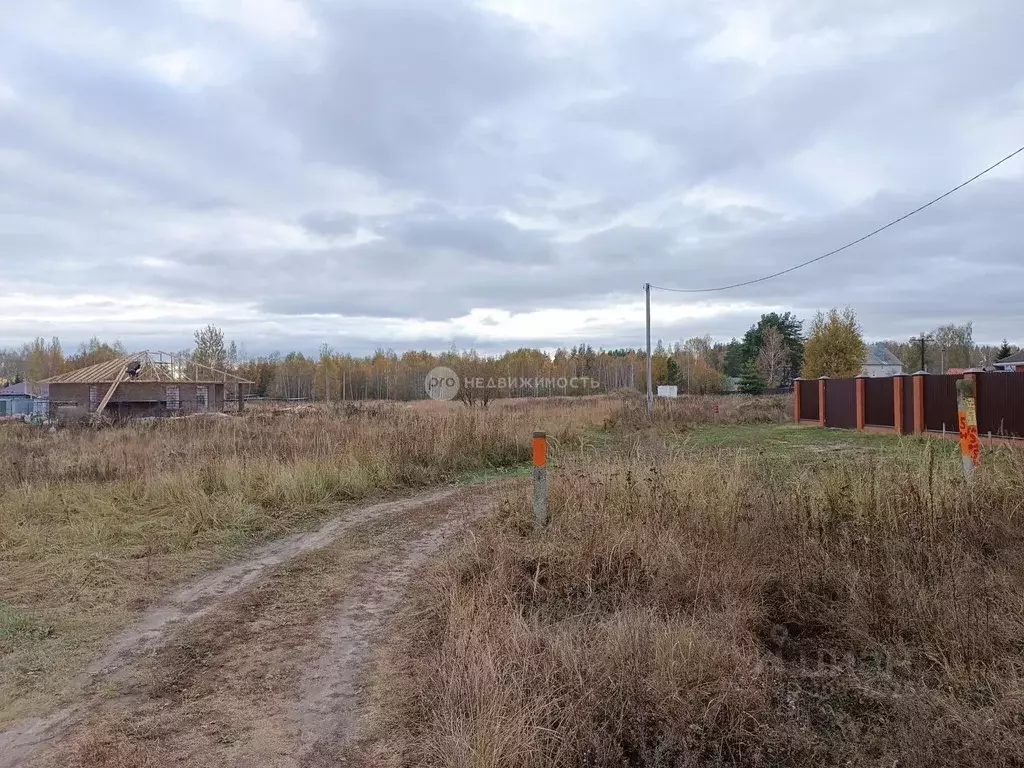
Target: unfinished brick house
[{"x": 146, "y": 384}]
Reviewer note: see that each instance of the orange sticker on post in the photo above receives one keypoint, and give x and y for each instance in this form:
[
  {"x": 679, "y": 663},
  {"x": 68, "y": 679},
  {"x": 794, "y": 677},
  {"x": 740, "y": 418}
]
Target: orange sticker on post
[
  {"x": 540, "y": 449},
  {"x": 970, "y": 445}
]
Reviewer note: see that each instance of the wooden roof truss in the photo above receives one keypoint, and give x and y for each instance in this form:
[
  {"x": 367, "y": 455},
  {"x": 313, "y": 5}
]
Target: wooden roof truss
[{"x": 166, "y": 367}]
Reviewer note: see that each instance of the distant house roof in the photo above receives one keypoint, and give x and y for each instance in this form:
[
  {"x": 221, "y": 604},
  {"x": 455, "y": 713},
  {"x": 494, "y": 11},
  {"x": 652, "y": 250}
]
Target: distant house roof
[
  {"x": 153, "y": 367},
  {"x": 1017, "y": 357},
  {"x": 879, "y": 354},
  {"x": 15, "y": 390},
  {"x": 23, "y": 389}
]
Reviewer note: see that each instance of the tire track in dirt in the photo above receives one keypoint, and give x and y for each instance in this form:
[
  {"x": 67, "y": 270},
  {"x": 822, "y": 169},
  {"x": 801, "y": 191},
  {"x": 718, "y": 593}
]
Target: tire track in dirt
[
  {"x": 330, "y": 690},
  {"x": 194, "y": 600}
]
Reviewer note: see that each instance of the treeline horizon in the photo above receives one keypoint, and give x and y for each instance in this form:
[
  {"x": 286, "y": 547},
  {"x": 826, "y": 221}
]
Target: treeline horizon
[{"x": 772, "y": 349}]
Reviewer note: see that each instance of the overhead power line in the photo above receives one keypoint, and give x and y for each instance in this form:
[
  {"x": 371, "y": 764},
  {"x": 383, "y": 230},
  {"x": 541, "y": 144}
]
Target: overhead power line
[{"x": 892, "y": 223}]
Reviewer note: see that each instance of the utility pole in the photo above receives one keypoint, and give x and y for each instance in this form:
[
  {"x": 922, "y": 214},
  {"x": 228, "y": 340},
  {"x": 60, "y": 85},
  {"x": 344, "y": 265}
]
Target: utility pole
[
  {"x": 650, "y": 378},
  {"x": 924, "y": 341}
]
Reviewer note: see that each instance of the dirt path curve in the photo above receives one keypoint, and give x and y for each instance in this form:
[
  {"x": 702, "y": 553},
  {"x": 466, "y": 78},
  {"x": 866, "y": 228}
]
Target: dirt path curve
[{"x": 328, "y": 689}]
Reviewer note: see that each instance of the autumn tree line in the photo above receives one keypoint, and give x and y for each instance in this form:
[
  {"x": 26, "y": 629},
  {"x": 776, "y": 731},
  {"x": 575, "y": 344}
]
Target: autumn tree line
[{"x": 769, "y": 355}]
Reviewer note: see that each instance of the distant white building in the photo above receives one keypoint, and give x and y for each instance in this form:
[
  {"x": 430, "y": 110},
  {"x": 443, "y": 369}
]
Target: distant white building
[
  {"x": 668, "y": 390},
  {"x": 1013, "y": 363},
  {"x": 879, "y": 362},
  {"x": 23, "y": 399}
]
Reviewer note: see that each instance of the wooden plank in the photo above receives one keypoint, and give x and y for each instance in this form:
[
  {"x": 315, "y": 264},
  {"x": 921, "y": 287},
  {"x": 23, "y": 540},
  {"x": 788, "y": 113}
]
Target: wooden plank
[{"x": 110, "y": 392}]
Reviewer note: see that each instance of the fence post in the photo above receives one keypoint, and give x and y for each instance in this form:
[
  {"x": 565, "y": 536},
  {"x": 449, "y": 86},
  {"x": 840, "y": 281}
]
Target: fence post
[
  {"x": 897, "y": 403},
  {"x": 859, "y": 397},
  {"x": 797, "y": 385},
  {"x": 821, "y": 401},
  {"x": 919, "y": 402},
  {"x": 540, "y": 479},
  {"x": 967, "y": 416}
]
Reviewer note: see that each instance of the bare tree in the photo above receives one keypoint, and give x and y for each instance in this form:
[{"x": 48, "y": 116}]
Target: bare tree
[
  {"x": 13, "y": 365},
  {"x": 773, "y": 357},
  {"x": 956, "y": 346}
]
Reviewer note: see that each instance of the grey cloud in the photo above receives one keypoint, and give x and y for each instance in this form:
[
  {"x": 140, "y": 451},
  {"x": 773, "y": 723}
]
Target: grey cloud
[
  {"x": 93, "y": 114},
  {"x": 478, "y": 237},
  {"x": 330, "y": 223},
  {"x": 395, "y": 84},
  {"x": 625, "y": 245}
]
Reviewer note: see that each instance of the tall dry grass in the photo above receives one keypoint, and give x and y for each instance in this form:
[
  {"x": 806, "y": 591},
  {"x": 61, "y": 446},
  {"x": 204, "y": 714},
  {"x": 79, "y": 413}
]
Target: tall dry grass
[
  {"x": 94, "y": 524},
  {"x": 686, "y": 412},
  {"x": 735, "y": 610}
]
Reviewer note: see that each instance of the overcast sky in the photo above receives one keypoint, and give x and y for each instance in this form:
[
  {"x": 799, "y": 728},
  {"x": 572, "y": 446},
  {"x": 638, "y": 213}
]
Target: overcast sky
[{"x": 412, "y": 173}]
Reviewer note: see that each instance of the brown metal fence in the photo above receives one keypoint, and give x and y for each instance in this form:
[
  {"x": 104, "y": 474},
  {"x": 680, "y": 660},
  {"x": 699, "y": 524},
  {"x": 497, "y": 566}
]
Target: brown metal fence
[
  {"x": 841, "y": 403},
  {"x": 809, "y": 399},
  {"x": 1001, "y": 404},
  {"x": 940, "y": 403},
  {"x": 879, "y": 408},
  {"x": 908, "y": 405}
]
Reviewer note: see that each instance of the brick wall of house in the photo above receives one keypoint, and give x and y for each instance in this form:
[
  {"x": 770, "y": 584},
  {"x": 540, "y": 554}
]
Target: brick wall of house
[{"x": 152, "y": 395}]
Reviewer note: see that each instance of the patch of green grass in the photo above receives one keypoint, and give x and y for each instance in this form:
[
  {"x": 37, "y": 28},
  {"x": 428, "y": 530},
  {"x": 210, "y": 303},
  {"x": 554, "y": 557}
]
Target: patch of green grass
[
  {"x": 18, "y": 629},
  {"x": 493, "y": 473},
  {"x": 796, "y": 440}
]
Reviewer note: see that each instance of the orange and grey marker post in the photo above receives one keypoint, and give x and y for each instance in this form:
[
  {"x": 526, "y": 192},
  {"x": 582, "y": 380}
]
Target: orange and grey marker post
[
  {"x": 540, "y": 479},
  {"x": 967, "y": 415}
]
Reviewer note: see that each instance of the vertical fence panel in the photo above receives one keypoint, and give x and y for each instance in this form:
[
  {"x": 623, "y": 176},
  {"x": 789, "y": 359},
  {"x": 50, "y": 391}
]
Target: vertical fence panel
[
  {"x": 940, "y": 403},
  {"x": 879, "y": 408},
  {"x": 1001, "y": 404},
  {"x": 841, "y": 403},
  {"x": 809, "y": 400},
  {"x": 908, "y": 405}
]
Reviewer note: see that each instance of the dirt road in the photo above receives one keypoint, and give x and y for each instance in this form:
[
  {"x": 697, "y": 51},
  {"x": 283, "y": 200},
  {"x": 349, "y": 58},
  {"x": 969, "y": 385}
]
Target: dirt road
[{"x": 259, "y": 663}]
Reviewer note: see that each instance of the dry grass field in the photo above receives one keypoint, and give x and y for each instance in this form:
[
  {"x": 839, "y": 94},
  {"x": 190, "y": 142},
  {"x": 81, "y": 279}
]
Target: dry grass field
[
  {"x": 713, "y": 589},
  {"x": 97, "y": 523},
  {"x": 797, "y": 598}
]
